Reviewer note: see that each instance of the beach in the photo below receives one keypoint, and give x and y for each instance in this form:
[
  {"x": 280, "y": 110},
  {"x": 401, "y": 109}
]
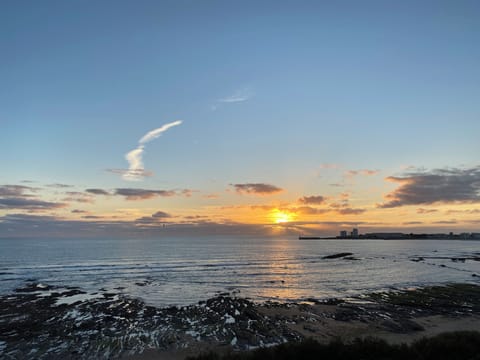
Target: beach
[
  {"x": 172, "y": 298},
  {"x": 43, "y": 322}
]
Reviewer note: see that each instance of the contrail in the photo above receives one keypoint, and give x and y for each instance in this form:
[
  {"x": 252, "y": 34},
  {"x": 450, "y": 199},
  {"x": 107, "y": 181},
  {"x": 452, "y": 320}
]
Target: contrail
[{"x": 136, "y": 170}]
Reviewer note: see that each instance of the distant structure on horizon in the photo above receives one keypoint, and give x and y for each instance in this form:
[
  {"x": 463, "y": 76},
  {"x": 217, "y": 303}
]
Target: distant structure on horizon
[
  {"x": 353, "y": 234},
  {"x": 398, "y": 235}
]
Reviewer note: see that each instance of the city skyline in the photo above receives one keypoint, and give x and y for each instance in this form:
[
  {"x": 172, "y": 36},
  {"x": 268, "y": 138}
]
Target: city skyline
[{"x": 150, "y": 118}]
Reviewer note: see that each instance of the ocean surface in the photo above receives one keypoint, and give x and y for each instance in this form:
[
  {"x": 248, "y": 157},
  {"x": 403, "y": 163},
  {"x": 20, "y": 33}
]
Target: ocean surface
[{"x": 182, "y": 271}]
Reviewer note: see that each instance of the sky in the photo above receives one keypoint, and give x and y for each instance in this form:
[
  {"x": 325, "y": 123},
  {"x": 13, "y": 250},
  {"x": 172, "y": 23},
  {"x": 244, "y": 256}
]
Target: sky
[{"x": 151, "y": 118}]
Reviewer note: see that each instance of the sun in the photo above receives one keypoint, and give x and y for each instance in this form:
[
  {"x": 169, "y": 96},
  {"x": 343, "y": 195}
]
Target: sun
[{"x": 281, "y": 217}]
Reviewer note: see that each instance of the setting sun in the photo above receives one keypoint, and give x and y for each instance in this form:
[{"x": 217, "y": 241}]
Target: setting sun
[{"x": 281, "y": 217}]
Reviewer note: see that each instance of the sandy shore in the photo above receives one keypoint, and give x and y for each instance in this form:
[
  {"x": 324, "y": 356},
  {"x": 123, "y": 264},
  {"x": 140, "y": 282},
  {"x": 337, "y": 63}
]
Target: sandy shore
[
  {"x": 362, "y": 318},
  {"x": 325, "y": 331}
]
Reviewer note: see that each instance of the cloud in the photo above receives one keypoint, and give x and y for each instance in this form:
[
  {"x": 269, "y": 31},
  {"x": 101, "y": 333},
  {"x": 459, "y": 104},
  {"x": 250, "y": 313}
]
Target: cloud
[
  {"x": 98, "y": 191},
  {"x": 77, "y": 211},
  {"x": 137, "y": 193},
  {"x": 259, "y": 207},
  {"x": 142, "y": 194},
  {"x": 426, "y": 211},
  {"x": 154, "y": 219},
  {"x": 306, "y": 210},
  {"x": 60, "y": 186},
  {"x": 134, "y": 157},
  {"x": 256, "y": 188},
  {"x": 161, "y": 215},
  {"x": 365, "y": 172},
  {"x": 19, "y": 218},
  {"x": 187, "y": 192},
  {"x": 195, "y": 217},
  {"x": 153, "y": 134},
  {"x": 28, "y": 204},
  {"x": 79, "y": 197},
  {"x": 445, "y": 222},
  {"x": 350, "y": 211},
  {"x": 472, "y": 211},
  {"x": 18, "y": 197},
  {"x": 342, "y": 204},
  {"x": 211, "y": 196},
  {"x": 92, "y": 217},
  {"x": 312, "y": 200},
  {"x": 412, "y": 223},
  {"x": 139, "y": 173},
  {"x": 239, "y": 96},
  {"x": 16, "y": 190},
  {"x": 436, "y": 186}
]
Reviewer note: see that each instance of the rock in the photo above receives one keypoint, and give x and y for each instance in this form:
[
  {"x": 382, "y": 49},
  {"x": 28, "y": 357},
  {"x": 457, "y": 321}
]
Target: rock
[
  {"x": 336, "y": 256},
  {"x": 310, "y": 328}
]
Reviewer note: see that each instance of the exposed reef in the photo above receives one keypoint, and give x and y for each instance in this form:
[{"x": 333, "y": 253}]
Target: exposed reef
[{"x": 44, "y": 322}]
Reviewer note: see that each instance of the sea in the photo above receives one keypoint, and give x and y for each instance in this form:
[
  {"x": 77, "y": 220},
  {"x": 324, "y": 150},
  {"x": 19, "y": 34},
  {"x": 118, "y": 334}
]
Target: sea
[{"x": 183, "y": 271}]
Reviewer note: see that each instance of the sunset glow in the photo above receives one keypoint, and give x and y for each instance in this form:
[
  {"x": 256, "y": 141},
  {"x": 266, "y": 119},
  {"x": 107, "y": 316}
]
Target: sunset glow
[
  {"x": 282, "y": 217},
  {"x": 147, "y": 127}
]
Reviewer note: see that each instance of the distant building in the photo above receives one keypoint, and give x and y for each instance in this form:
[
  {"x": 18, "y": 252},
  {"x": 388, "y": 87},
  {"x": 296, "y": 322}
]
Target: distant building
[
  {"x": 343, "y": 234},
  {"x": 354, "y": 233}
]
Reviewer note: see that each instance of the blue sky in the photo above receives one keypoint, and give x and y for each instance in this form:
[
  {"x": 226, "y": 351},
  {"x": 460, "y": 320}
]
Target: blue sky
[{"x": 268, "y": 93}]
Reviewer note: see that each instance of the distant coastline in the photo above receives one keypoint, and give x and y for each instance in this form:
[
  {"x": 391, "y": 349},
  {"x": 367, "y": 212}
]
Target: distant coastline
[{"x": 395, "y": 236}]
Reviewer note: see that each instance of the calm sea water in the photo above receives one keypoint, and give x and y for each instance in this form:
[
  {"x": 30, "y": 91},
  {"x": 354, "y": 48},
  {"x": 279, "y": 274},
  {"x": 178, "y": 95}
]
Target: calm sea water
[{"x": 180, "y": 271}]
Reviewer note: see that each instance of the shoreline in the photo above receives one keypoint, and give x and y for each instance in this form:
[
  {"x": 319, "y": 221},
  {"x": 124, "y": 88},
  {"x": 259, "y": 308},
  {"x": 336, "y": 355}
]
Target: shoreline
[{"x": 41, "y": 321}]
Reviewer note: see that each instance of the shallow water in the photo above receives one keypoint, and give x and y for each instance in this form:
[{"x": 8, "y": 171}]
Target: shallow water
[{"x": 181, "y": 271}]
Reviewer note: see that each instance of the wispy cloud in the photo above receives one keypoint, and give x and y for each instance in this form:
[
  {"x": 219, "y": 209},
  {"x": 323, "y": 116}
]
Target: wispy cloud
[
  {"x": 151, "y": 135},
  {"x": 445, "y": 222},
  {"x": 80, "y": 197},
  {"x": 28, "y": 204},
  {"x": 256, "y": 189},
  {"x": 330, "y": 166},
  {"x": 239, "y": 96},
  {"x": 60, "y": 186},
  {"x": 142, "y": 194},
  {"x": 16, "y": 190},
  {"x": 364, "y": 172},
  {"x": 470, "y": 211},
  {"x": 350, "y": 211},
  {"x": 20, "y": 197},
  {"x": 136, "y": 170},
  {"x": 426, "y": 211}
]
